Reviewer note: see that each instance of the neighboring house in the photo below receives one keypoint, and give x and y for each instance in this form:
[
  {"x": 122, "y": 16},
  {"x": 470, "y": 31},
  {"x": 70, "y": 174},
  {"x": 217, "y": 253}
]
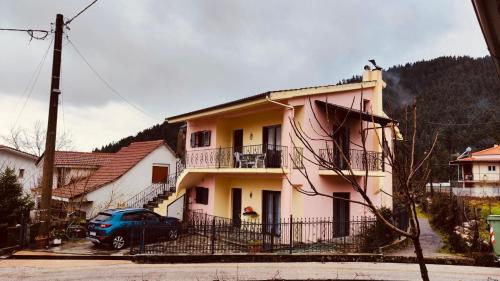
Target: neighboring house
[
  {"x": 237, "y": 154},
  {"x": 71, "y": 166},
  {"x": 23, "y": 165},
  {"x": 94, "y": 181},
  {"x": 479, "y": 169}
]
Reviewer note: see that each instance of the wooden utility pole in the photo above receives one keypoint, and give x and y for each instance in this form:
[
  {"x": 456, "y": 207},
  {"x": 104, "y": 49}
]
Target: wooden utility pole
[{"x": 50, "y": 141}]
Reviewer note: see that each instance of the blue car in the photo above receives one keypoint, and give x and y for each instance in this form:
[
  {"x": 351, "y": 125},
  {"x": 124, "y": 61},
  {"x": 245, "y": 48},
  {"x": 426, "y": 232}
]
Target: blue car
[{"x": 116, "y": 227}]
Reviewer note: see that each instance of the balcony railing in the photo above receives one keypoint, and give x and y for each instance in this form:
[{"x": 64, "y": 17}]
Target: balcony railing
[
  {"x": 250, "y": 156},
  {"x": 373, "y": 161},
  {"x": 481, "y": 177}
]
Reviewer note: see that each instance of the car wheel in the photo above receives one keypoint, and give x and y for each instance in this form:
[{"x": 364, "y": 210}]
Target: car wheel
[
  {"x": 173, "y": 234},
  {"x": 118, "y": 242}
]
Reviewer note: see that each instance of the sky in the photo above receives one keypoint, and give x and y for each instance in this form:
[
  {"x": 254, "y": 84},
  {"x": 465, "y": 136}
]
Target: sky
[{"x": 162, "y": 58}]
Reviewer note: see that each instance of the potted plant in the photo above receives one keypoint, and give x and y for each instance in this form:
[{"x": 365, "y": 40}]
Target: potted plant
[
  {"x": 249, "y": 212},
  {"x": 55, "y": 237},
  {"x": 255, "y": 246}
]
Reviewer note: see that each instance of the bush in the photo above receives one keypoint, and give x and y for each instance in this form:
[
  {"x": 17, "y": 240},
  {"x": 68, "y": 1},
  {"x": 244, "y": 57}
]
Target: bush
[{"x": 379, "y": 234}]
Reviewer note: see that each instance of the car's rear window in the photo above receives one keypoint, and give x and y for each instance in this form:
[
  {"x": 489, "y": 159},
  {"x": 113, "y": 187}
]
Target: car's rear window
[{"x": 102, "y": 217}]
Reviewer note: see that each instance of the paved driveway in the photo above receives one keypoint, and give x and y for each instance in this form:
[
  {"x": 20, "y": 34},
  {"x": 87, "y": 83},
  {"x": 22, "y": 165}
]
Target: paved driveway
[
  {"x": 78, "y": 247},
  {"x": 431, "y": 242}
]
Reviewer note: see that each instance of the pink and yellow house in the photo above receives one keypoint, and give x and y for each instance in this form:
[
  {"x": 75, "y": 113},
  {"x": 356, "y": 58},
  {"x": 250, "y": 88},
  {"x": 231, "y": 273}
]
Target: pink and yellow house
[{"x": 238, "y": 155}]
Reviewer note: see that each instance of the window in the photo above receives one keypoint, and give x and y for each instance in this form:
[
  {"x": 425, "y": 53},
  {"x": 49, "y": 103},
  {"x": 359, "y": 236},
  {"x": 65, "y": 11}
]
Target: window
[
  {"x": 160, "y": 174},
  {"x": 131, "y": 217},
  {"x": 492, "y": 168},
  {"x": 21, "y": 173},
  {"x": 200, "y": 138},
  {"x": 202, "y": 195},
  {"x": 150, "y": 217}
]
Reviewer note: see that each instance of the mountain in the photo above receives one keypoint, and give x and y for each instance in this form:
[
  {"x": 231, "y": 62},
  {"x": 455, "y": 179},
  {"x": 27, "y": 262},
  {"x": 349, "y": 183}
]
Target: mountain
[{"x": 457, "y": 96}]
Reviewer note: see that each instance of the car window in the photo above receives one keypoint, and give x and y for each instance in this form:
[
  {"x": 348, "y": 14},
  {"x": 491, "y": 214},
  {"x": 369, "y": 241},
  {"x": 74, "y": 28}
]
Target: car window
[
  {"x": 102, "y": 217},
  {"x": 151, "y": 217},
  {"x": 131, "y": 217}
]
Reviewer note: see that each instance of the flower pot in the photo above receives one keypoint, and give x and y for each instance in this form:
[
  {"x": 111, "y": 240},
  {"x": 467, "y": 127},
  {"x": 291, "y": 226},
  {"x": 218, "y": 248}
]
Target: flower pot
[
  {"x": 255, "y": 248},
  {"x": 41, "y": 241}
]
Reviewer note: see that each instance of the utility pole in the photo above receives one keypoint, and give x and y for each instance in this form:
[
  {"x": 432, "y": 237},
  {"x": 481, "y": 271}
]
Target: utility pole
[{"x": 50, "y": 141}]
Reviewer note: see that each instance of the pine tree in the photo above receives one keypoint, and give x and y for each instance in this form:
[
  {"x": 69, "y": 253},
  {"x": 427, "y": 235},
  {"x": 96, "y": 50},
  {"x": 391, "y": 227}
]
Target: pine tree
[{"x": 13, "y": 202}]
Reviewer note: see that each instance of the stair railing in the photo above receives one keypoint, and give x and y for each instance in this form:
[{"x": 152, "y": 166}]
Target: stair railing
[{"x": 154, "y": 190}]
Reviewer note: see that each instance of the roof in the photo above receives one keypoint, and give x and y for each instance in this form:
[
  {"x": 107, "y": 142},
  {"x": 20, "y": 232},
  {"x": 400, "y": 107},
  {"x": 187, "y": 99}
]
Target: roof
[
  {"x": 488, "y": 16},
  {"x": 18, "y": 152},
  {"x": 80, "y": 159},
  {"x": 495, "y": 150},
  {"x": 351, "y": 112},
  {"x": 119, "y": 164},
  {"x": 479, "y": 155},
  {"x": 276, "y": 95}
]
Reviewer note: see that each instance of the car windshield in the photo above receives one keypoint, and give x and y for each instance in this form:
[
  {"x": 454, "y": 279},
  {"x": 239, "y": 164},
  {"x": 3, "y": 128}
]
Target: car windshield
[{"x": 102, "y": 217}]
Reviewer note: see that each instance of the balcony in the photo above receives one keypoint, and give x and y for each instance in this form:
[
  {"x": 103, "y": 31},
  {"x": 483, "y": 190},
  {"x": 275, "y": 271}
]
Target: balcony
[
  {"x": 356, "y": 158},
  {"x": 480, "y": 177},
  {"x": 243, "y": 157}
]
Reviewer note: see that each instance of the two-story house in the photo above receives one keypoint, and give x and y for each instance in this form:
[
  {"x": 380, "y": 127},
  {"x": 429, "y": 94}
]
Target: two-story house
[
  {"x": 22, "y": 163},
  {"x": 479, "y": 169},
  {"x": 238, "y": 158}
]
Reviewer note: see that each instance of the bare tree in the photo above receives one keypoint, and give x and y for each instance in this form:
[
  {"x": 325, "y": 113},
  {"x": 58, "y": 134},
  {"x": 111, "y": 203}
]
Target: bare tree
[
  {"x": 33, "y": 140},
  {"x": 409, "y": 170}
]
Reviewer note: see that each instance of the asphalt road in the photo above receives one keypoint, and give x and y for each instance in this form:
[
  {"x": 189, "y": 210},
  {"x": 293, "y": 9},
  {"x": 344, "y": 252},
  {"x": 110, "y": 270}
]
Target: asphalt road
[{"x": 125, "y": 270}]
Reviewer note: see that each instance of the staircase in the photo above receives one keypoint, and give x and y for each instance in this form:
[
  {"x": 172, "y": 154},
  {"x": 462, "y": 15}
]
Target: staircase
[{"x": 153, "y": 195}]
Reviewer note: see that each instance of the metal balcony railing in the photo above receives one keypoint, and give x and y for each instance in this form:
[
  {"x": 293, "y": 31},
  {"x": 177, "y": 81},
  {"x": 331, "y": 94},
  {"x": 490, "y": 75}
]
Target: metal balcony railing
[
  {"x": 356, "y": 158},
  {"x": 492, "y": 176},
  {"x": 249, "y": 156}
]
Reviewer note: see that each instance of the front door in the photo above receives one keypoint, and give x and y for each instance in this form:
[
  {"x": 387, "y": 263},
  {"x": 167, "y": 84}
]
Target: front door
[
  {"x": 236, "y": 214},
  {"x": 340, "y": 214},
  {"x": 271, "y": 211},
  {"x": 271, "y": 139},
  {"x": 237, "y": 144}
]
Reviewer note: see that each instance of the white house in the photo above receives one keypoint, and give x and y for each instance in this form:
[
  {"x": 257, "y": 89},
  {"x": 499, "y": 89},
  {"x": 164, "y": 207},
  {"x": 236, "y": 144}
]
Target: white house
[
  {"x": 479, "y": 169},
  {"x": 23, "y": 165},
  {"x": 115, "y": 178}
]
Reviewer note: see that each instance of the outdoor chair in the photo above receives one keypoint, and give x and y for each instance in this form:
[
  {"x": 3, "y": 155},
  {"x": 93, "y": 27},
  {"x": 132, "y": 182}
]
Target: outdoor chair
[
  {"x": 260, "y": 161},
  {"x": 240, "y": 160}
]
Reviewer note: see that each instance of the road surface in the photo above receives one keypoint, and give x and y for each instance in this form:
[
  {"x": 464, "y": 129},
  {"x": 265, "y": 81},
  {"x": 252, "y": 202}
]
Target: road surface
[{"x": 126, "y": 270}]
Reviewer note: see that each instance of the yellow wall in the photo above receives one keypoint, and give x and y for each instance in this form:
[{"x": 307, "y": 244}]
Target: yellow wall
[
  {"x": 251, "y": 124},
  {"x": 223, "y": 204},
  {"x": 162, "y": 208}
]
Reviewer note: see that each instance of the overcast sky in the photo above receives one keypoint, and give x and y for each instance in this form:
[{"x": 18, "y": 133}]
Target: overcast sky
[{"x": 170, "y": 57}]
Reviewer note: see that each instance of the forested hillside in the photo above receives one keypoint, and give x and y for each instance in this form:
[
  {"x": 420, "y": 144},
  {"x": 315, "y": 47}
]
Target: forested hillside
[{"x": 459, "y": 96}]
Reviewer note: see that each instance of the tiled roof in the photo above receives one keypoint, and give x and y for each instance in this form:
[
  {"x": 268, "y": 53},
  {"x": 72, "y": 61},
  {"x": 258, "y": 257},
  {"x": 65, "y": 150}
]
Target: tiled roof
[
  {"x": 118, "y": 165},
  {"x": 495, "y": 150},
  {"x": 80, "y": 159}
]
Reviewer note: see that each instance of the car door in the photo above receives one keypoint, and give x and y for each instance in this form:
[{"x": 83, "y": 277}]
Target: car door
[
  {"x": 131, "y": 223},
  {"x": 153, "y": 225}
]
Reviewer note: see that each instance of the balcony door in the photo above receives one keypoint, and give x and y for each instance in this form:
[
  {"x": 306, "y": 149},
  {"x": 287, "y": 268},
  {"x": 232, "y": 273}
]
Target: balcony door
[
  {"x": 341, "y": 137},
  {"x": 271, "y": 140},
  {"x": 237, "y": 144}
]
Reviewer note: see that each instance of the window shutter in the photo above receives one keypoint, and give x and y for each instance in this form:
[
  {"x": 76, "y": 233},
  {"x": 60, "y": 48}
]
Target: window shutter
[
  {"x": 206, "y": 138},
  {"x": 193, "y": 139}
]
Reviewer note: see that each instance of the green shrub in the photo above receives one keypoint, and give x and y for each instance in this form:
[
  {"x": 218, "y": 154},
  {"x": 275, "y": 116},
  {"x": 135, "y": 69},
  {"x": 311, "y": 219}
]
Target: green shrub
[{"x": 379, "y": 234}]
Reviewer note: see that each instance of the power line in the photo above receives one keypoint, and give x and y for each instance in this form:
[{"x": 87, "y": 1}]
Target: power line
[
  {"x": 31, "y": 32},
  {"x": 70, "y": 20},
  {"x": 107, "y": 84},
  {"x": 33, "y": 81},
  {"x": 462, "y": 124}
]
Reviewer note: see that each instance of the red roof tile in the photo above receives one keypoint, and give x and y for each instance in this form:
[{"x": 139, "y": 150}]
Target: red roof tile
[
  {"x": 80, "y": 159},
  {"x": 495, "y": 150},
  {"x": 120, "y": 163}
]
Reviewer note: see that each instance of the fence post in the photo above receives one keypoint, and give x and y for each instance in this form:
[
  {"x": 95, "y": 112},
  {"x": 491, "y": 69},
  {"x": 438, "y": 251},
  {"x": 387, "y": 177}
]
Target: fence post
[
  {"x": 212, "y": 239},
  {"x": 220, "y": 154},
  {"x": 291, "y": 234},
  {"x": 143, "y": 236}
]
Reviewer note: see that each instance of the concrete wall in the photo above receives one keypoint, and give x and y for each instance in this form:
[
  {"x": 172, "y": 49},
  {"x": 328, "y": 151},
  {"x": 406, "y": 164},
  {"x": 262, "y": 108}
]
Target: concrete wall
[{"x": 16, "y": 162}]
